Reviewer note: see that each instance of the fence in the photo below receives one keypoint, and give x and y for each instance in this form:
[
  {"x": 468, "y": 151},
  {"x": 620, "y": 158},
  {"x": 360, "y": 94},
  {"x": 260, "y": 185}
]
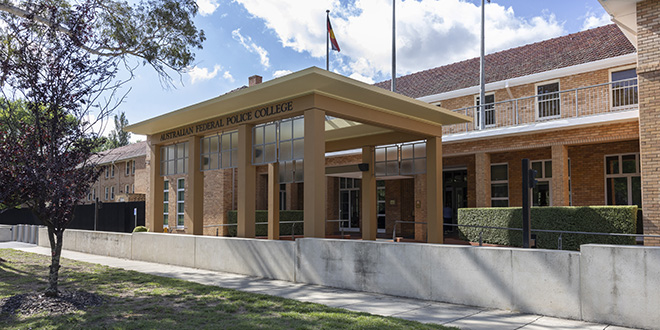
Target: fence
[{"x": 609, "y": 97}]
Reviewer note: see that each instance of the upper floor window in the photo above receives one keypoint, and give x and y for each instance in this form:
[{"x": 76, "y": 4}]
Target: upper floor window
[
  {"x": 133, "y": 167},
  {"x": 128, "y": 167},
  {"x": 106, "y": 170},
  {"x": 174, "y": 159},
  {"x": 548, "y": 100},
  {"x": 624, "y": 88},
  {"x": 489, "y": 109},
  {"x": 112, "y": 170}
]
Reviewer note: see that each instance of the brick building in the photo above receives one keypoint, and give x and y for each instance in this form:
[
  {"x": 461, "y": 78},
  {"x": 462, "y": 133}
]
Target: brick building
[
  {"x": 124, "y": 176},
  {"x": 572, "y": 105}
]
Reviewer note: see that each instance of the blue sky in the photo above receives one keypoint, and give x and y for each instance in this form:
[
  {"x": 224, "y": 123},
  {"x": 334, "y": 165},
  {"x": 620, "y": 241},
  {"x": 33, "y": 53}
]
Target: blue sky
[{"x": 271, "y": 38}]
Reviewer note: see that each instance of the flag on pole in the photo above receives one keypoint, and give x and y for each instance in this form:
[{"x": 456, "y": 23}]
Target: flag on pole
[{"x": 333, "y": 40}]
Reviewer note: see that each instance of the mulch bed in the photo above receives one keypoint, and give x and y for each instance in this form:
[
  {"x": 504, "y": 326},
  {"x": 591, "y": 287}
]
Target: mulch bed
[{"x": 28, "y": 304}]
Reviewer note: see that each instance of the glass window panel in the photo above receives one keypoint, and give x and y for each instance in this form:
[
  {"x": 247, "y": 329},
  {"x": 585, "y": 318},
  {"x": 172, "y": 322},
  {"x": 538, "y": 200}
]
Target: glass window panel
[
  {"x": 342, "y": 183},
  {"x": 299, "y": 128},
  {"x": 298, "y": 149},
  {"x": 538, "y": 167},
  {"x": 420, "y": 150},
  {"x": 179, "y": 220},
  {"x": 258, "y": 135},
  {"x": 214, "y": 162},
  {"x": 166, "y": 196},
  {"x": 214, "y": 144},
  {"x": 179, "y": 166},
  {"x": 628, "y": 164},
  {"x": 499, "y": 203},
  {"x": 205, "y": 145},
  {"x": 625, "y": 74},
  {"x": 420, "y": 165},
  {"x": 271, "y": 133},
  {"x": 392, "y": 153},
  {"x": 407, "y": 166},
  {"x": 234, "y": 139},
  {"x": 541, "y": 194},
  {"x": 165, "y": 219},
  {"x": 170, "y": 152},
  {"x": 165, "y": 206},
  {"x": 636, "y": 182},
  {"x": 258, "y": 155},
  {"x": 299, "y": 171},
  {"x": 499, "y": 190},
  {"x": 380, "y": 169},
  {"x": 181, "y": 184},
  {"x": 380, "y": 154},
  {"x": 392, "y": 168},
  {"x": 170, "y": 167},
  {"x": 234, "y": 158},
  {"x": 180, "y": 150},
  {"x": 548, "y": 169},
  {"x": 180, "y": 208},
  {"x": 349, "y": 183},
  {"x": 406, "y": 151},
  {"x": 617, "y": 191},
  {"x": 499, "y": 172},
  {"x": 271, "y": 153},
  {"x": 163, "y": 154},
  {"x": 206, "y": 163},
  {"x": 285, "y": 151},
  {"x": 612, "y": 165},
  {"x": 285, "y": 130},
  {"x": 225, "y": 160}
]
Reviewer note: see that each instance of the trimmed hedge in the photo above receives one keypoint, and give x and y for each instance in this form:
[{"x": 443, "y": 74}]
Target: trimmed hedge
[
  {"x": 603, "y": 219},
  {"x": 262, "y": 216},
  {"x": 140, "y": 229}
]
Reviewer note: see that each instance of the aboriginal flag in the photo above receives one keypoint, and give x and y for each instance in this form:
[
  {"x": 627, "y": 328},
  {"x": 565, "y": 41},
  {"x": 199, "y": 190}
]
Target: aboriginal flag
[{"x": 333, "y": 40}]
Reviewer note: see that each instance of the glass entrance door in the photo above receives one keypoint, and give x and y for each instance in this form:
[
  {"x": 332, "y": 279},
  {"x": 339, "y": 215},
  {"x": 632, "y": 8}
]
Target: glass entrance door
[
  {"x": 349, "y": 203},
  {"x": 455, "y": 196}
]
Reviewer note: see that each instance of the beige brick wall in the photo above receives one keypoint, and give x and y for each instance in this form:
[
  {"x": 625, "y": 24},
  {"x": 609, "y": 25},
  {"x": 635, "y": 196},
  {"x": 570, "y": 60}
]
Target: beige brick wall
[{"x": 120, "y": 180}]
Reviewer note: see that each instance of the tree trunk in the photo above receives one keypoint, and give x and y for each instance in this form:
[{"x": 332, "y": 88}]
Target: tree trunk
[{"x": 55, "y": 237}]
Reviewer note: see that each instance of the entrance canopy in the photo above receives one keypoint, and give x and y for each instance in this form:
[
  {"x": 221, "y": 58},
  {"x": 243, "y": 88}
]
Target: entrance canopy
[{"x": 358, "y": 114}]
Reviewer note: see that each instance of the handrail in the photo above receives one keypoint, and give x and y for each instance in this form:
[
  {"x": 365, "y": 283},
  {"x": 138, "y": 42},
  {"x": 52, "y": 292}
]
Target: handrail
[
  {"x": 293, "y": 226},
  {"x": 341, "y": 228},
  {"x": 402, "y": 221}
]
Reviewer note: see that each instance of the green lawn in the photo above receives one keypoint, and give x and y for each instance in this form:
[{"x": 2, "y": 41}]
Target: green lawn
[{"x": 138, "y": 301}]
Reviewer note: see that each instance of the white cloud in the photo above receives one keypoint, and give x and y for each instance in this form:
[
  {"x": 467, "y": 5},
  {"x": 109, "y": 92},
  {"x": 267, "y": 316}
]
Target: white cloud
[
  {"x": 362, "y": 78},
  {"x": 430, "y": 33},
  {"x": 202, "y": 74},
  {"x": 252, "y": 47},
  {"x": 228, "y": 76},
  {"x": 207, "y": 7},
  {"x": 280, "y": 73},
  {"x": 591, "y": 20}
]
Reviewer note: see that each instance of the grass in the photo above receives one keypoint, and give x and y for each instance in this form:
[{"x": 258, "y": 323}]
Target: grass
[{"x": 139, "y": 301}]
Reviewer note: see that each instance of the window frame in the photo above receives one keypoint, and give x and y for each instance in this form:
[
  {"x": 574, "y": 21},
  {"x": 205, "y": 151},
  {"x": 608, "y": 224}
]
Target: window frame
[
  {"x": 166, "y": 203},
  {"x": 611, "y": 86},
  {"x": 538, "y": 100},
  {"x": 180, "y": 203},
  {"x": 492, "y": 182},
  {"x": 107, "y": 193},
  {"x": 112, "y": 170},
  {"x": 492, "y": 108},
  {"x": 542, "y": 177},
  {"x": 128, "y": 168},
  {"x": 207, "y": 154},
  {"x": 112, "y": 193},
  {"x": 174, "y": 160},
  {"x": 263, "y": 144},
  {"x": 628, "y": 176}
]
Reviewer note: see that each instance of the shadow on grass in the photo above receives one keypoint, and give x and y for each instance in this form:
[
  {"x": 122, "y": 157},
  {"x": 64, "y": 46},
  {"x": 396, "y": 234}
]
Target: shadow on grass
[{"x": 139, "y": 301}]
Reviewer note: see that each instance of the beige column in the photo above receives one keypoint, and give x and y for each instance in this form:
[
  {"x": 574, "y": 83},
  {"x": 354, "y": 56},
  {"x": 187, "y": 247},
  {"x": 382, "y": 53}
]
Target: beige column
[
  {"x": 155, "y": 197},
  {"x": 482, "y": 178},
  {"x": 194, "y": 206},
  {"x": 273, "y": 201},
  {"x": 648, "y": 71},
  {"x": 369, "y": 215},
  {"x": 247, "y": 183},
  {"x": 434, "y": 190},
  {"x": 314, "y": 177},
  {"x": 560, "y": 195}
]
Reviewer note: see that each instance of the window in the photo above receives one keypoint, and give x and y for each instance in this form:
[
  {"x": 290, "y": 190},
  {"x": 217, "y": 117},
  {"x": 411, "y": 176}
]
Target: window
[
  {"x": 541, "y": 193},
  {"x": 499, "y": 185},
  {"x": 106, "y": 193},
  {"x": 489, "y": 109},
  {"x": 624, "y": 88},
  {"x": 133, "y": 167},
  {"x": 180, "y": 206},
  {"x": 174, "y": 159},
  {"x": 106, "y": 171},
  {"x": 210, "y": 153},
  {"x": 623, "y": 184},
  {"x": 292, "y": 133},
  {"x": 94, "y": 194},
  {"x": 128, "y": 167},
  {"x": 387, "y": 161},
  {"x": 132, "y": 188},
  {"x": 112, "y": 193},
  {"x": 166, "y": 203},
  {"x": 282, "y": 196},
  {"x": 548, "y": 100},
  {"x": 264, "y": 144},
  {"x": 291, "y": 171},
  {"x": 112, "y": 170},
  {"x": 126, "y": 191},
  {"x": 89, "y": 195},
  {"x": 229, "y": 150},
  {"x": 413, "y": 158},
  {"x": 349, "y": 203}
]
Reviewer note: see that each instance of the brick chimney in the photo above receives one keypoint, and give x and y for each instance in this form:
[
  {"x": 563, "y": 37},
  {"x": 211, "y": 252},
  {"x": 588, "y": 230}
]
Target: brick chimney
[{"x": 254, "y": 80}]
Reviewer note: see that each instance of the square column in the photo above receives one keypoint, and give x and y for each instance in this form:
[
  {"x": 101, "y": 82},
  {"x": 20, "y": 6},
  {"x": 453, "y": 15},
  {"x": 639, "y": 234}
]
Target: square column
[
  {"x": 559, "y": 182},
  {"x": 247, "y": 184},
  {"x": 369, "y": 215},
  {"x": 482, "y": 178},
  {"x": 434, "y": 189},
  {"x": 194, "y": 206},
  {"x": 273, "y": 201},
  {"x": 155, "y": 197},
  {"x": 314, "y": 176}
]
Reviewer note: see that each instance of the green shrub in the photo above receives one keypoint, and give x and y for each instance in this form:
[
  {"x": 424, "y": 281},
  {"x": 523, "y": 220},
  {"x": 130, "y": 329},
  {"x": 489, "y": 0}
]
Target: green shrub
[
  {"x": 262, "y": 216},
  {"x": 603, "y": 219},
  {"x": 139, "y": 229}
]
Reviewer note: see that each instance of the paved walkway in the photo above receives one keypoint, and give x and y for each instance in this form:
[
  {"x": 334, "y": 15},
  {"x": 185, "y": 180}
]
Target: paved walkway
[{"x": 464, "y": 317}]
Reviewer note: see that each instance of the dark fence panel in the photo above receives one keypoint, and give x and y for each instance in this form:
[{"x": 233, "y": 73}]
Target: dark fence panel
[{"x": 115, "y": 217}]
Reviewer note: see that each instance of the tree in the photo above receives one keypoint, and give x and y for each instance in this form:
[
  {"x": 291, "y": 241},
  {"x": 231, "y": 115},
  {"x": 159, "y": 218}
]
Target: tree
[
  {"x": 61, "y": 60},
  {"x": 118, "y": 137}
]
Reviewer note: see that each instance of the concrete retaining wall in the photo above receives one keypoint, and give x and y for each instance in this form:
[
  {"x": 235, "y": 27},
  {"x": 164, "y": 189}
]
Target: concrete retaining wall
[
  {"x": 6, "y": 233},
  {"x": 604, "y": 284}
]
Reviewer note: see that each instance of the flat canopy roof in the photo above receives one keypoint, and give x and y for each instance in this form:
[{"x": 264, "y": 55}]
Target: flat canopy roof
[{"x": 321, "y": 84}]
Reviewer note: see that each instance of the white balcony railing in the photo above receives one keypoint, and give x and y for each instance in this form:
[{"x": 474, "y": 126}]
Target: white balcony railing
[{"x": 609, "y": 97}]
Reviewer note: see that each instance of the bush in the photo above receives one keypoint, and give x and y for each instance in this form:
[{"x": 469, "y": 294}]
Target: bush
[
  {"x": 140, "y": 229},
  {"x": 262, "y": 216},
  {"x": 603, "y": 219}
]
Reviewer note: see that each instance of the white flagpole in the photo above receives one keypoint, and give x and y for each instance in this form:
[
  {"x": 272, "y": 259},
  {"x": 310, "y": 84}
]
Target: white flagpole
[
  {"x": 482, "y": 80},
  {"x": 327, "y": 41},
  {"x": 393, "y": 46}
]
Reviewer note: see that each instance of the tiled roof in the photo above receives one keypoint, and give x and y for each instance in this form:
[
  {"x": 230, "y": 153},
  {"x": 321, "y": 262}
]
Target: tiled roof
[
  {"x": 130, "y": 151},
  {"x": 573, "y": 49}
]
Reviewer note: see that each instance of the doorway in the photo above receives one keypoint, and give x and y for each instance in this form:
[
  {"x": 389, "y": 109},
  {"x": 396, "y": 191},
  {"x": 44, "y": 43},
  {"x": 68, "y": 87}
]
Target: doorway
[
  {"x": 455, "y": 195},
  {"x": 349, "y": 203}
]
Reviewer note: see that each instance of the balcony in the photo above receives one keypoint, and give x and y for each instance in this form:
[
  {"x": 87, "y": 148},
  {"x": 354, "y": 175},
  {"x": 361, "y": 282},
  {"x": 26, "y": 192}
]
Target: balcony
[{"x": 611, "y": 97}]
